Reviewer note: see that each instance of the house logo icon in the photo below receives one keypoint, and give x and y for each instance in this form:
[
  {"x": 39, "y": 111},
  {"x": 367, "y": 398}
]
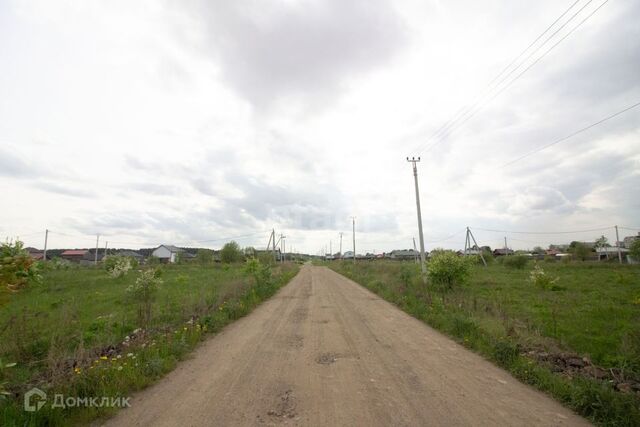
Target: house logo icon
[{"x": 34, "y": 400}]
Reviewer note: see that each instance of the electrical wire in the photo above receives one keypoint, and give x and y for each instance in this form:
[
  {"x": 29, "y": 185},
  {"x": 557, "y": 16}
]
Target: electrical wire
[
  {"x": 558, "y": 141},
  {"x": 464, "y": 110},
  {"x": 542, "y": 232},
  {"x": 479, "y": 107}
]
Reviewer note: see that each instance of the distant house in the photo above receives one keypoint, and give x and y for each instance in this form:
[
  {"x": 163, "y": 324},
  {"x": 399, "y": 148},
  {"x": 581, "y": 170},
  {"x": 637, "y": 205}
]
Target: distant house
[
  {"x": 502, "y": 252},
  {"x": 628, "y": 241},
  {"x": 75, "y": 255},
  {"x": 610, "y": 253},
  {"x": 403, "y": 254},
  {"x": 36, "y": 254},
  {"x": 347, "y": 255},
  {"x": 474, "y": 250},
  {"x": 132, "y": 254},
  {"x": 167, "y": 253}
]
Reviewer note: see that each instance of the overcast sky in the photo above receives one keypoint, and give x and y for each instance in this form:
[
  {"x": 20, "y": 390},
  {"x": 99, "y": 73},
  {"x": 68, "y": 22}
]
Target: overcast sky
[{"x": 176, "y": 122}]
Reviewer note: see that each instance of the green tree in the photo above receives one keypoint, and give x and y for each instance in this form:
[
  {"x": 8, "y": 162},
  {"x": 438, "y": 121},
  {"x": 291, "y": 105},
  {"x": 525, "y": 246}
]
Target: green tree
[
  {"x": 580, "y": 251},
  {"x": 144, "y": 291},
  {"x": 17, "y": 268},
  {"x": 602, "y": 242},
  {"x": 446, "y": 269},
  {"x": 231, "y": 252},
  {"x": 634, "y": 250}
]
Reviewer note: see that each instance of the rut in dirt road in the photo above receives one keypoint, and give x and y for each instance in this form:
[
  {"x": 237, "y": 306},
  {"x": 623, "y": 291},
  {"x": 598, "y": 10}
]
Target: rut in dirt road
[{"x": 325, "y": 351}]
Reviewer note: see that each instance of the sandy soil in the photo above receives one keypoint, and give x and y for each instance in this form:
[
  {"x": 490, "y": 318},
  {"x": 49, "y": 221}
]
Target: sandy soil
[{"x": 325, "y": 351}]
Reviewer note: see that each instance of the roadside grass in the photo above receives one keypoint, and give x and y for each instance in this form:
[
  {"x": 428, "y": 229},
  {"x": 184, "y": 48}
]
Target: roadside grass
[
  {"x": 592, "y": 311},
  {"x": 77, "y": 333}
]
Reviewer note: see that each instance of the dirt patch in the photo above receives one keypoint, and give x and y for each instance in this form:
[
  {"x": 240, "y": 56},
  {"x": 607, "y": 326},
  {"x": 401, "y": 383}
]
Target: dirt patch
[
  {"x": 572, "y": 365},
  {"x": 327, "y": 358},
  {"x": 300, "y": 314},
  {"x": 322, "y": 321},
  {"x": 294, "y": 341},
  {"x": 285, "y": 406}
]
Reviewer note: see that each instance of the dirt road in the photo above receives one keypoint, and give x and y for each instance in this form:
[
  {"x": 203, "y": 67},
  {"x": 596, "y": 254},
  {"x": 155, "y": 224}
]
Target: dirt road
[{"x": 325, "y": 351}]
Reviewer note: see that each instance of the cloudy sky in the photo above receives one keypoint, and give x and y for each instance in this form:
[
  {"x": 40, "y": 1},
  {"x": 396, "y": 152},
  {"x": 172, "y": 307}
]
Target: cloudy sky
[{"x": 191, "y": 122}]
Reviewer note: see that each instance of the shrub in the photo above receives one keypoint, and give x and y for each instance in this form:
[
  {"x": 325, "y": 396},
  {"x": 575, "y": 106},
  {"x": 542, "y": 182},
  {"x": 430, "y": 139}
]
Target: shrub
[
  {"x": 541, "y": 279},
  {"x": 580, "y": 250},
  {"x": 446, "y": 269},
  {"x": 204, "y": 256},
  {"x": 231, "y": 253},
  {"x": 17, "y": 268},
  {"x": 488, "y": 257},
  {"x": 515, "y": 261},
  {"x": 260, "y": 272},
  {"x": 117, "y": 266},
  {"x": 144, "y": 291},
  {"x": 58, "y": 263}
]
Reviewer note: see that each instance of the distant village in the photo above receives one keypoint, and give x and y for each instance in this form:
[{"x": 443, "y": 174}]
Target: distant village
[{"x": 169, "y": 254}]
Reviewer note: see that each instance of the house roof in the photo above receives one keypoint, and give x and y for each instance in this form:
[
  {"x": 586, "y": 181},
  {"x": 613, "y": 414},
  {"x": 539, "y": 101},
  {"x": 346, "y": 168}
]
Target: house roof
[
  {"x": 130, "y": 253},
  {"x": 407, "y": 252},
  {"x": 172, "y": 248},
  {"x": 74, "y": 252}
]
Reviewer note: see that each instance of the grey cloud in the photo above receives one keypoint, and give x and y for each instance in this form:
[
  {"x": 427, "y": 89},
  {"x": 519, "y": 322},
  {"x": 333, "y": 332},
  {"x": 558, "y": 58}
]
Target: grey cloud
[
  {"x": 609, "y": 68},
  {"x": 70, "y": 189},
  {"x": 538, "y": 199},
  {"x": 253, "y": 199},
  {"x": 273, "y": 49},
  {"x": 13, "y": 166},
  {"x": 166, "y": 227}
]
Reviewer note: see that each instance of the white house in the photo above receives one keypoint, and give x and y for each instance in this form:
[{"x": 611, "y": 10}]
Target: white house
[
  {"x": 347, "y": 254},
  {"x": 167, "y": 253}
]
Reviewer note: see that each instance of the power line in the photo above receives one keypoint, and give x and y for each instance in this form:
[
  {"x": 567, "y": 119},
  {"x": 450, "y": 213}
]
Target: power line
[
  {"x": 446, "y": 238},
  {"x": 543, "y": 232},
  {"x": 478, "y": 106},
  {"x": 465, "y": 110},
  {"x": 558, "y": 141}
]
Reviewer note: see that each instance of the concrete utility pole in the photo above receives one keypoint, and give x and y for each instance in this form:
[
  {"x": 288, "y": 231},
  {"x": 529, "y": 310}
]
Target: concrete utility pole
[
  {"x": 353, "y": 219},
  {"x": 618, "y": 245},
  {"x": 106, "y": 244},
  {"x": 415, "y": 250},
  {"x": 281, "y": 240},
  {"x": 506, "y": 248},
  {"x": 469, "y": 233},
  {"x": 415, "y": 178},
  {"x": 273, "y": 234},
  {"x": 46, "y": 238},
  {"x": 95, "y": 260},
  {"x": 341, "y": 244}
]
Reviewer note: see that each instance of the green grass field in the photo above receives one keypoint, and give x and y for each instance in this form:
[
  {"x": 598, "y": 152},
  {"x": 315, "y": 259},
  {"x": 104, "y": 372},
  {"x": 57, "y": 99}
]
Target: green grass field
[
  {"x": 78, "y": 332},
  {"x": 541, "y": 336}
]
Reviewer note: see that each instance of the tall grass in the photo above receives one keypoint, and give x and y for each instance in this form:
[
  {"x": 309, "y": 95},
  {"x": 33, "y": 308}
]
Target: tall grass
[{"x": 78, "y": 333}]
